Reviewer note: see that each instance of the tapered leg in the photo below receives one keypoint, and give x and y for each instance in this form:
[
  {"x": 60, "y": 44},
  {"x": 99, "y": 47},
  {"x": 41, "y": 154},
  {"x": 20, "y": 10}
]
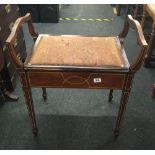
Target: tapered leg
[
  {"x": 29, "y": 101},
  {"x": 110, "y": 95},
  {"x": 123, "y": 102},
  {"x": 44, "y": 93}
]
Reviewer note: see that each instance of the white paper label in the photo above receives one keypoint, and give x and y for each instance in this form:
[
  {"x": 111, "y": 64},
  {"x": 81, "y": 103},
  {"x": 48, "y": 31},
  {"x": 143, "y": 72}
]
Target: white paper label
[{"x": 97, "y": 80}]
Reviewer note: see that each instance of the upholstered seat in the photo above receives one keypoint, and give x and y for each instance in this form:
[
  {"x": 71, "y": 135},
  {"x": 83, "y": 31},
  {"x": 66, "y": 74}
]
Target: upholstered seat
[{"x": 78, "y": 51}]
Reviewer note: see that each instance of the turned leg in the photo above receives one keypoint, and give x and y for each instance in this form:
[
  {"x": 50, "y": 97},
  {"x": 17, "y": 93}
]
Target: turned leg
[
  {"x": 29, "y": 101},
  {"x": 44, "y": 93},
  {"x": 123, "y": 103},
  {"x": 150, "y": 47},
  {"x": 110, "y": 95}
]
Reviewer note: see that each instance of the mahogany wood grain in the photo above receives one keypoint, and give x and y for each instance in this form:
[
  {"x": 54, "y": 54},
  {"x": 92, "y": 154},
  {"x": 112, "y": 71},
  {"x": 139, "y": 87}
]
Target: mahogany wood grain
[{"x": 76, "y": 80}]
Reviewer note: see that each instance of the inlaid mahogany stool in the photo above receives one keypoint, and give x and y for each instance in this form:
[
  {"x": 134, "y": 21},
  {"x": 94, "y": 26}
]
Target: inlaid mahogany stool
[
  {"x": 149, "y": 9},
  {"x": 70, "y": 61}
]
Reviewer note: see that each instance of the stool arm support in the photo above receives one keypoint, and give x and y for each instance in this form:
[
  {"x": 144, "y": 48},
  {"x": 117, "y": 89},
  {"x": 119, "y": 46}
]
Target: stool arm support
[
  {"x": 13, "y": 35},
  {"x": 124, "y": 32},
  {"x": 139, "y": 60},
  {"x": 142, "y": 43},
  {"x": 138, "y": 29},
  {"x": 17, "y": 26},
  {"x": 140, "y": 38},
  {"x": 13, "y": 56}
]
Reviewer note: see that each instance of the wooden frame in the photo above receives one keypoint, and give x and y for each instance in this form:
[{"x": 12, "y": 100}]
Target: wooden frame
[{"x": 65, "y": 76}]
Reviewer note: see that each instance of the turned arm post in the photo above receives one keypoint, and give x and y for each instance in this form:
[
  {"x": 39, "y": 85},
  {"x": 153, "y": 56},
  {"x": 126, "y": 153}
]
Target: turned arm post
[{"x": 12, "y": 38}]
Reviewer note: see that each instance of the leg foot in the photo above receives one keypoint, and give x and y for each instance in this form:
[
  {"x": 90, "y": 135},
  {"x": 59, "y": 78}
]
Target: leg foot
[
  {"x": 29, "y": 101},
  {"x": 44, "y": 94},
  {"x": 123, "y": 103},
  {"x": 110, "y": 95},
  {"x": 116, "y": 134},
  {"x": 35, "y": 131}
]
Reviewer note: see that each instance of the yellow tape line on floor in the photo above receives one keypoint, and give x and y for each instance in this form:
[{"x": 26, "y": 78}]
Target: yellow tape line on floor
[
  {"x": 86, "y": 19},
  {"x": 115, "y": 11}
]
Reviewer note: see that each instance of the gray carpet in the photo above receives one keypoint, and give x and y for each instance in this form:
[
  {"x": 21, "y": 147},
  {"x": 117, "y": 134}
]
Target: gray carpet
[{"x": 77, "y": 118}]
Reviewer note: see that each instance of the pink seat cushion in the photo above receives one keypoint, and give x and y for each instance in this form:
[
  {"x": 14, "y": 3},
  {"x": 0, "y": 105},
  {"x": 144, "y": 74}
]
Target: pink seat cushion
[{"x": 77, "y": 51}]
